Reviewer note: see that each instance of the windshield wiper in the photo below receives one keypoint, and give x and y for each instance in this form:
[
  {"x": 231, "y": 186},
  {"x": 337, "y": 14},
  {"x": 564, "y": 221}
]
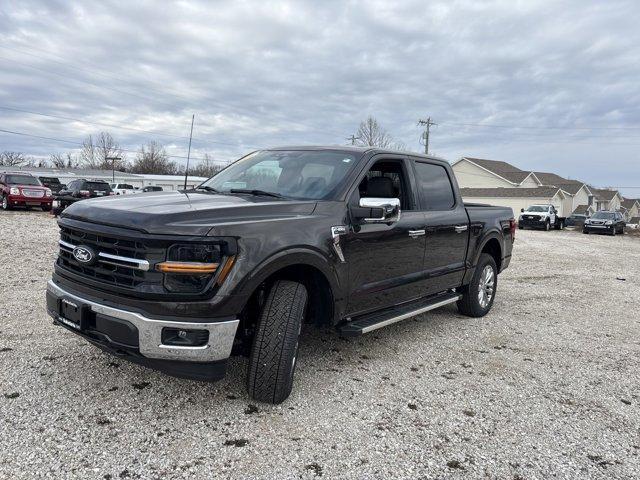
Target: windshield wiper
[
  {"x": 256, "y": 192},
  {"x": 207, "y": 188}
]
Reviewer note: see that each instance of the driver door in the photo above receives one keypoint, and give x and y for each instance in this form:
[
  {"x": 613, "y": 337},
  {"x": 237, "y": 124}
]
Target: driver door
[{"x": 385, "y": 260}]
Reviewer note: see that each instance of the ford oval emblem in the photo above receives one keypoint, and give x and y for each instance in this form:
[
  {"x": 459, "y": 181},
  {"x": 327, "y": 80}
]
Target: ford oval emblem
[{"x": 84, "y": 255}]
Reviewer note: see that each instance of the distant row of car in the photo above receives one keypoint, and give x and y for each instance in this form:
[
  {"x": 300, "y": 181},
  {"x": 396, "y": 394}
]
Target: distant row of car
[
  {"x": 546, "y": 217},
  {"x": 19, "y": 189}
]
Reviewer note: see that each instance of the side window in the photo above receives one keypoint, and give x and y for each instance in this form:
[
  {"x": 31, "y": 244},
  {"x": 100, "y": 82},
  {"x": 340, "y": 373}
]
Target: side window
[
  {"x": 386, "y": 179},
  {"x": 435, "y": 186}
]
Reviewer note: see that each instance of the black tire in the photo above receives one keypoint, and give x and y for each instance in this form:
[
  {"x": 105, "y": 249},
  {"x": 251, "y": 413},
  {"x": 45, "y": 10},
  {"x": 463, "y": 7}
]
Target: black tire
[
  {"x": 614, "y": 231},
  {"x": 520, "y": 227},
  {"x": 469, "y": 304},
  {"x": 5, "y": 203},
  {"x": 275, "y": 346},
  {"x": 46, "y": 208},
  {"x": 559, "y": 225},
  {"x": 586, "y": 232},
  {"x": 547, "y": 225}
]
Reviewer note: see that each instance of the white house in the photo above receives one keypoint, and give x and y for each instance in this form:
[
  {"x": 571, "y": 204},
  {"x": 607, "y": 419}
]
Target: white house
[
  {"x": 518, "y": 198},
  {"x": 605, "y": 199},
  {"x": 630, "y": 208},
  {"x": 482, "y": 173}
]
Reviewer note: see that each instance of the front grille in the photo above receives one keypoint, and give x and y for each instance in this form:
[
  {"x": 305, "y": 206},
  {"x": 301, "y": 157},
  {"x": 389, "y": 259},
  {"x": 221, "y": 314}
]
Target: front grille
[
  {"x": 32, "y": 193},
  {"x": 113, "y": 268}
]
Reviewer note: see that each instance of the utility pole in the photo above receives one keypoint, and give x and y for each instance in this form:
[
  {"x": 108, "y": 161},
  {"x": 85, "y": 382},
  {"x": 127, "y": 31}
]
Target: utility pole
[
  {"x": 186, "y": 171},
  {"x": 353, "y": 139},
  {"x": 427, "y": 123},
  {"x": 113, "y": 167}
]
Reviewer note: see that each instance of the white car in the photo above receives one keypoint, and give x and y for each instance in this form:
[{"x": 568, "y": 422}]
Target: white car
[
  {"x": 541, "y": 216},
  {"x": 122, "y": 188}
]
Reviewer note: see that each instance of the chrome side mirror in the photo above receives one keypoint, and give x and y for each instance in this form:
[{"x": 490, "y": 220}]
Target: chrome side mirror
[{"x": 379, "y": 210}]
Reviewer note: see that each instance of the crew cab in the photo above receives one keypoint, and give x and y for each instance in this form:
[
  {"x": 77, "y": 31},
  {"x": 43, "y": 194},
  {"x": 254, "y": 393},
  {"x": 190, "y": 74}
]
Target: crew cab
[
  {"x": 79, "y": 189},
  {"x": 23, "y": 190},
  {"x": 541, "y": 216},
  {"x": 351, "y": 238},
  {"x": 122, "y": 188}
]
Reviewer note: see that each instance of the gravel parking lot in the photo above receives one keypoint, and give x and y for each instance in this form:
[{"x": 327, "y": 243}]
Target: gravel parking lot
[{"x": 547, "y": 385}]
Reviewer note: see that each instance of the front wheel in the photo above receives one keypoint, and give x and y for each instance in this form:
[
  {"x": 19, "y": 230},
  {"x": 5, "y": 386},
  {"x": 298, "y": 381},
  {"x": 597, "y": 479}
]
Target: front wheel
[
  {"x": 477, "y": 297},
  {"x": 275, "y": 346},
  {"x": 547, "y": 225},
  {"x": 5, "y": 203}
]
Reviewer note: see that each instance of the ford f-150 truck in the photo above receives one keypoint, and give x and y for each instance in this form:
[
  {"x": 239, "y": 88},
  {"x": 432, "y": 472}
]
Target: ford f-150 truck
[{"x": 354, "y": 238}]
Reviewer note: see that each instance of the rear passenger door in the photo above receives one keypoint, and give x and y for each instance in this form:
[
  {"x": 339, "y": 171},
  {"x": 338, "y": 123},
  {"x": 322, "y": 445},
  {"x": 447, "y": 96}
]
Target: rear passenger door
[{"x": 447, "y": 226}]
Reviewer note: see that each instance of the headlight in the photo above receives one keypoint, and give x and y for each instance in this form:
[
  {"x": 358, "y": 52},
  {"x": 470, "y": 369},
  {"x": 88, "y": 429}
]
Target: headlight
[
  {"x": 190, "y": 268},
  {"x": 14, "y": 191},
  {"x": 608, "y": 222},
  {"x": 47, "y": 192},
  {"x": 520, "y": 218}
]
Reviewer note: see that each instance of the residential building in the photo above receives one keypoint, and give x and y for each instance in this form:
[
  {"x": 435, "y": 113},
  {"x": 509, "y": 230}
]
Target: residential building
[
  {"x": 519, "y": 198},
  {"x": 630, "y": 208},
  {"x": 606, "y": 199},
  {"x": 482, "y": 173}
]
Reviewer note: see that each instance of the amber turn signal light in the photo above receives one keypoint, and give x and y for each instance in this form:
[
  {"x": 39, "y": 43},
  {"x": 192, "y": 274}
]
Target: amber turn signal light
[{"x": 187, "y": 267}]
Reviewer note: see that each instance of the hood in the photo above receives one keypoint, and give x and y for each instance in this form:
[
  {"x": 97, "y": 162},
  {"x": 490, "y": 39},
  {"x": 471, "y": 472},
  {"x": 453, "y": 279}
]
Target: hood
[
  {"x": 28, "y": 187},
  {"x": 177, "y": 213}
]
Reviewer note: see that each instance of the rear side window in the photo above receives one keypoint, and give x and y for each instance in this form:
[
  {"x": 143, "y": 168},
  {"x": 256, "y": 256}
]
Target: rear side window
[
  {"x": 99, "y": 186},
  {"x": 434, "y": 186}
]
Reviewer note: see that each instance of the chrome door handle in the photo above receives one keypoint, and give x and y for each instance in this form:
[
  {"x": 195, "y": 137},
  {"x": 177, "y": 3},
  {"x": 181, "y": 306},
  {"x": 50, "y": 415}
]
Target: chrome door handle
[
  {"x": 461, "y": 228},
  {"x": 416, "y": 233}
]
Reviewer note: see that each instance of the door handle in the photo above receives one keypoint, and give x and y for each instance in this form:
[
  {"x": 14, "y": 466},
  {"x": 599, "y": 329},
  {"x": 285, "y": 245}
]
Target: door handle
[
  {"x": 461, "y": 228},
  {"x": 416, "y": 233}
]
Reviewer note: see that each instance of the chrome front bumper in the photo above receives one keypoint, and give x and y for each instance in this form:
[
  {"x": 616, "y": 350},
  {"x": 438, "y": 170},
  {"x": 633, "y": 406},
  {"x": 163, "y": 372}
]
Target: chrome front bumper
[{"x": 218, "y": 347}]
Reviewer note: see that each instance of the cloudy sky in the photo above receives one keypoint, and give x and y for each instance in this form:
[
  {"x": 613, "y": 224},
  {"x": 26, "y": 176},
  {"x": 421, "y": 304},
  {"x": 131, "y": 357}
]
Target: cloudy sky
[{"x": 545, "y": 85}]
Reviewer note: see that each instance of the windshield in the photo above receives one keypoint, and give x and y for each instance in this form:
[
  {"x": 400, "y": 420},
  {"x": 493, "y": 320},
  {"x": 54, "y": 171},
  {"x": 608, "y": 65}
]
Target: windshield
[
  {"x": 22, "y": 180},
  {"x": 603, "y": 215},
  {"x": 537, "y": 208},
  {"x": 49, "y": 180},
  {"x": 307, "y": 175}
]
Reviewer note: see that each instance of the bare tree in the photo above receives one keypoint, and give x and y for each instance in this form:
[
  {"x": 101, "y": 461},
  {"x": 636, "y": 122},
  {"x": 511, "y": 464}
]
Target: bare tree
[
  {"x": 371, "y": 134},
  {"x": 206, "y": 167},
  {"x": 57, "y": 160},
  {"x": 13, "y": 159},
  {"x": 97, "y": 153},
  {"x": 153, "y": 158}
]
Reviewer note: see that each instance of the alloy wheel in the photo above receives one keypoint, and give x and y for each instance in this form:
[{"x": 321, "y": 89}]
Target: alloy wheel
[{"x": 486, "y": 286}]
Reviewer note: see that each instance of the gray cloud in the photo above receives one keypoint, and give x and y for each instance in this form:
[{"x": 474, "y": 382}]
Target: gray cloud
[{"x": 561, "y": 75}]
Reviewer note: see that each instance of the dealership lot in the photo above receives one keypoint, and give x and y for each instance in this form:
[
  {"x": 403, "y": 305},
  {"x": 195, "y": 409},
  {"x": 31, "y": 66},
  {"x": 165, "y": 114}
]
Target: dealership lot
[{"x": 547, "y": 384}]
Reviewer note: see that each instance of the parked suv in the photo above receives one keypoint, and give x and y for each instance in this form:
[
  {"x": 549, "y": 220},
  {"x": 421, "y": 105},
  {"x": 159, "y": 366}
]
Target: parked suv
[
  {"x": 79, "y": 190},
  {"x": 605, "y": 222},
  {"x": 53, "y": 183},
  {"x": 541, "y": 216},
  {"x": 122, "y": 188},
  {"x": 353, "y": 238},
  {"x": 24, "y": 190}
]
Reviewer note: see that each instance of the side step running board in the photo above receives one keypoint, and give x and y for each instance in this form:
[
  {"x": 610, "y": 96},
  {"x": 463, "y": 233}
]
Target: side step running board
[{"x": 368, "y": 323}]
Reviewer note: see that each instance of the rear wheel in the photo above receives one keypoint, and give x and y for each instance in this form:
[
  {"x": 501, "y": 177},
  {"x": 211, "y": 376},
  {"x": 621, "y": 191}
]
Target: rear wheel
[
  {"x": 275, "y": 346},
  {"x": 477, "y": 297}
]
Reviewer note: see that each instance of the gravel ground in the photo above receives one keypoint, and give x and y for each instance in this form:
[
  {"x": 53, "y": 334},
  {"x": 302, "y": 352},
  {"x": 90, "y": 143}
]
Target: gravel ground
[{"x": 545, "y": 386}]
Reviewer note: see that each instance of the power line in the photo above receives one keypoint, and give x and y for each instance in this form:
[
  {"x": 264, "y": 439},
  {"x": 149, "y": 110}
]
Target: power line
[
  {"x": 526, "y": 127},
  {"x": 113, "y": 125},
  {"x": 71, "y": 142}
]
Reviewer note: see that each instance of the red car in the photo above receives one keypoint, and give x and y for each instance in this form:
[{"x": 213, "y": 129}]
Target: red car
[{"x": 23, "y": 190}]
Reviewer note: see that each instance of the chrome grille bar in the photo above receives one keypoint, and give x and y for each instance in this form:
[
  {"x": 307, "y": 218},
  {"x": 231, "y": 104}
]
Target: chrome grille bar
[{"x": 107, "y": 258}]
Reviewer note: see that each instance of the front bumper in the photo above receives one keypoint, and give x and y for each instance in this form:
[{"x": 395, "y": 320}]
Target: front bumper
[
  {"x": 135, "y": 334},
  {"x": 598, "y": 228},
  {"x": 23, "y": 201},
  {"x": 533, "y": 223}
]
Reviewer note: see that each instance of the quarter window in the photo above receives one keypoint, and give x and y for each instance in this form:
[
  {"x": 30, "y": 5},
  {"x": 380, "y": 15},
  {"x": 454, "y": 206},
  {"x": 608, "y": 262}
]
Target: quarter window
[{"x": 435, "y": 186}]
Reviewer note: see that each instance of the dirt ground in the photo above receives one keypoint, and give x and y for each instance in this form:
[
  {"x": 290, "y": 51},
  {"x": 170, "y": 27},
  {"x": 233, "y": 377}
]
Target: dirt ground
[{"x": 545, "y": 386}]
